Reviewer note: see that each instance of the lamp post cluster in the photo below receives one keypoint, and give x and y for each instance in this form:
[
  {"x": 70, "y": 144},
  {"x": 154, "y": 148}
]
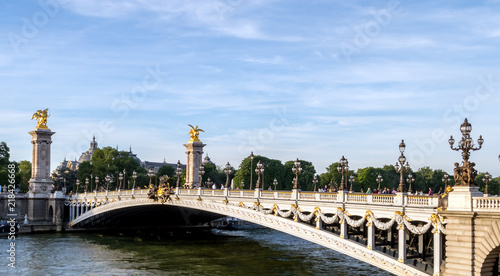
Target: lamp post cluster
[
  {"x": 259, "y": 170},
  {"x": 410, "y": 180},
  {"x": 351, "y": 180},
  {"x": 227, "y": 170},
  {"x": 465, "y": 175},
  {"x": 296, "y": 169},
  {"x": 404, "y": 167},
  {"x": 201, "y": 172},
  {"x": 178, "y": 172},
  {"x": 379, "y": 181},
  {"x": 343, "y": 168}
]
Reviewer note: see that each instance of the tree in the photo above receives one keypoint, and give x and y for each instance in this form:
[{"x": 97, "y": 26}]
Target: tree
[
  {"x": 4, "y": 162},
  {"x": 109, "y": 161},
  {"x": 24, "y": 174},
  {"x": 305, "y": 177},
  {"x": 272, "y": 169},
  {"x": 168, "y": 171}
]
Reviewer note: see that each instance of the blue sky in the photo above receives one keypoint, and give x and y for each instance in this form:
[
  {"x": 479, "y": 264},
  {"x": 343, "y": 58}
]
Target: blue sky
[{"x": 312, "y": 80}]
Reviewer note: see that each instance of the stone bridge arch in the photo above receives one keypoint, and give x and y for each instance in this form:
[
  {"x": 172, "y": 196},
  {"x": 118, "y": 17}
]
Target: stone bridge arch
[{"x": 241, "y": 211}]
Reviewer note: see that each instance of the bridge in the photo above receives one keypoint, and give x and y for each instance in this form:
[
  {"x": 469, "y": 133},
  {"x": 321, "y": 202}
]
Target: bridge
[
  {"x": 401, "y": 233},
  {"x": 454, "y": 234}
]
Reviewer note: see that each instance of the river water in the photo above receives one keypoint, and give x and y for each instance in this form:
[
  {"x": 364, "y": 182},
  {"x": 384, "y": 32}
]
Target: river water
[{"x": 211, "y": 252}]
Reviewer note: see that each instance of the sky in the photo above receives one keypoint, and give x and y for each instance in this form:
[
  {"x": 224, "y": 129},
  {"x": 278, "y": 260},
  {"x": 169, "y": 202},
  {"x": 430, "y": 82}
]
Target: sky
[{"x": 314, "y": 80}]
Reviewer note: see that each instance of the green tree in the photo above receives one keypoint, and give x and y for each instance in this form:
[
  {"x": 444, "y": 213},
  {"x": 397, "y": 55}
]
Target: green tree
[
  {"x": 4, "y": 162},
  {"x": 272, "y": 169},
  {"x": 24, "y": 174},
  {"x": 168, "y": 171},
  {"x": 305, "y": 177}
]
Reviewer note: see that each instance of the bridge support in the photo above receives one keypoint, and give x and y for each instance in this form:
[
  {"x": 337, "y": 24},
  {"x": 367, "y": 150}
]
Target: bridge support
[
  {"x": 194, "y": 151},
  {"x": 401, "y": 243},
  {"x": 438, "y": 252}
]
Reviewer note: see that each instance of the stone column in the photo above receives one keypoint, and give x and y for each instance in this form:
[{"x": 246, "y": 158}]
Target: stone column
[
  {"x": 194, "y": 151},
  {"x": 438, "y": 252},
  {"x": 371, "y": 236},
  {"x": 401, "y": 244},
  {"x": 41, "y": 182}
]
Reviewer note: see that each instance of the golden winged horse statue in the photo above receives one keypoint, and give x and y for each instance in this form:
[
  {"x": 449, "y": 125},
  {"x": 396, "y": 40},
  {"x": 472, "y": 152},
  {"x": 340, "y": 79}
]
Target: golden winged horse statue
[
  {"x": 41, "y": 116},
  {"x": 194, "y": 132}
]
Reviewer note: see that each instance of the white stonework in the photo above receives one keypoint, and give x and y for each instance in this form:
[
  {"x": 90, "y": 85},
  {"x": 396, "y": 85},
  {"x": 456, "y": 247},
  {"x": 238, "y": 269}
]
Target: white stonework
[{"x": 460, "y": 199}]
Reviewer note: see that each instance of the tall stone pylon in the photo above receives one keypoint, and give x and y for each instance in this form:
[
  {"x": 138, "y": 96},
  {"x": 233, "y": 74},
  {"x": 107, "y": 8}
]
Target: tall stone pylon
[
  {"x": 40, "y": 183},
  {"x": 194, "y": 151}
]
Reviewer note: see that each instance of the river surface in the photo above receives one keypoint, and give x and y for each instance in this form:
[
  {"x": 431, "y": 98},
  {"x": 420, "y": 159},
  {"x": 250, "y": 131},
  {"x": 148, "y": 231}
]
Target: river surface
[{"x": 212, "y": 252}]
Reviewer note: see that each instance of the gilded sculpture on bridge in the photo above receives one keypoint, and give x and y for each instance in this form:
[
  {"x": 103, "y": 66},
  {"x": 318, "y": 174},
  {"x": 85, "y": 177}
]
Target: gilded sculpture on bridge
[
  {"x": 465, "y": 175},
  {"x": 194, "y": 133},
  {"x": 41, "y": 116}
]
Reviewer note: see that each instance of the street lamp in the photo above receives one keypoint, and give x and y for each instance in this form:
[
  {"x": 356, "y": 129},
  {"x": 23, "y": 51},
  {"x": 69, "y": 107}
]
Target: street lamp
[
  {"x": 77, "y": 184},
  {"x": 486, "y": 180},
  {"x": 178, "y": 172},
  {"x": 251, "y": 169},
  {"x": 96, "y": 182},
  {"x": 259, "y": 170},
  {"x": 91, "y": 178},
  {"x": 209, "y": 182},
  {"x": 201, "y": 172},
  {"x": 150, "y": 175},
  {"x": 446, "y": 179},
  {"x": 343, "y": 168},
  {"x": 134, "y": 176},
  {"x": 108, "y": 179},
  {"x": 227, "y": 170},
  {"x": 315, "y": 181},
  {"x": 120, "y": 178},
  {"x": 404, "y": 167},
  {"x": 465, "y": 175},
  {"x": 379, "y": 180},
  {"x": 242, "y": 184},
  {"x": 275, "y": 183},
  {"x": 410, "y": 180},
  {"x": 297, "y": 169},
  {"x": 86, "y": 184},
  {"x": 351, "y": 180}
]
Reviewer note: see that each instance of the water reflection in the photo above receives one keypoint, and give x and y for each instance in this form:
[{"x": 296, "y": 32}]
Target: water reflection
[{"x": 215, "y": 252}]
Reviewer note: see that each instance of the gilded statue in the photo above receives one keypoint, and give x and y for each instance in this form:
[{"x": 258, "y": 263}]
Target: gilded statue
[
  {"x": 41, "y": 116},
  {"x": 194, "y": 132}
]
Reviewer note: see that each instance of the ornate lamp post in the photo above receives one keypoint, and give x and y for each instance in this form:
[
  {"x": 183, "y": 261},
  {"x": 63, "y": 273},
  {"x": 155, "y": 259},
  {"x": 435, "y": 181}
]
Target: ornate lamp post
[
  {"x": 91, "y": 178},
  {"x": 410, "y": 180},
  {"x": 446, "y": 179},
  {"x": 259, "y": 170},
  {"x": 178, "y": 172},
  {"x": 343, "y": 168},
  {"x": 201, "y": 172},
  {"x": 134, "y": 176},
  {"x": 108, "y": 179},
  {"x": 86, "y": 184},
  {"x": 77, "y": 185},
  {"x": 227, "y": 170},
  {"x": 486, "y": 179},
  {"x": 315, "y": 181},
  {"x": 124, "y": 177},
  {"x": 296, "y": 169},
  {"x": 96, "y": 183},
  {"x": 404, "y": 167},
  {"x": 242, "y": 185},
  {"x": 150, "y": 175},
  {"x": 275, "y": 183},
  {"x": 251, "y": 169},
  {"x": 351, "y": 180},
  {"x": 209, "y": 182},
  {"x": 120, "y": 178},
  {"x": 379, "y": 180},
  {"x": 465, "y": 175}
]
